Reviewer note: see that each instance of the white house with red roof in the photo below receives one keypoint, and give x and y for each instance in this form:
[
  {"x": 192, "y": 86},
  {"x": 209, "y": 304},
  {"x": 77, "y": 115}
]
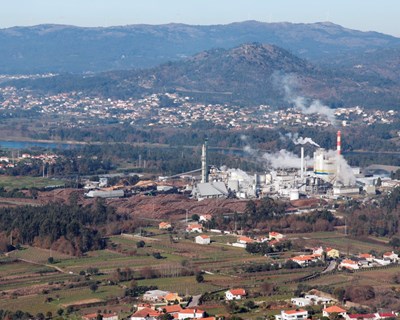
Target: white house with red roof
[
  {"x": 366, "y": 256},
  {"x": 326, "y": 312},
  {"x": 367, "y": 316},
  {"x": 164, "y": 225},
  {"x": 235, "y": 294},
  {"x": 391, "y": 256},
  {"x": 205, "y": 217},
  {"x": 190, "y": 314},
  {"x": 145, "y": 314},
  {"x": 194, "y": 227},
  {"x": 298, "y": 314},
  {"x": 172, "y": 309},
  {"x": 202, "y": 239},
  {"x": 305, "y": 260},
  {"x": 275, "y": 235},
  {"x": 245, "y": 240},
  {"x": 349, "y": 264}
]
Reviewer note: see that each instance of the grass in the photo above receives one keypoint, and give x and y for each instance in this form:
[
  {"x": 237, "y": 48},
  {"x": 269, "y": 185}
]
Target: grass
[{"x": 26, "y": 182}]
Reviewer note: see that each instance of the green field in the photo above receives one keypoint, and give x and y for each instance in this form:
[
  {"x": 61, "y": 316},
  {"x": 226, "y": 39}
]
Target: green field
[{"x": 26, "y": 182}]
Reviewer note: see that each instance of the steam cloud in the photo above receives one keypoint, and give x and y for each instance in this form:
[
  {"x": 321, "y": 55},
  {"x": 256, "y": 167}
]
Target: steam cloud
[{"x": 301, "y": 103}]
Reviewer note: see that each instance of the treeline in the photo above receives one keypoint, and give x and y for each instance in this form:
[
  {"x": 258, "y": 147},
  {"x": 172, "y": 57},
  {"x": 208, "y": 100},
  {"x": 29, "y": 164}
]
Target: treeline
[
  {"x": 67, "y": 228},
  {"x": 379, "y": 218}
]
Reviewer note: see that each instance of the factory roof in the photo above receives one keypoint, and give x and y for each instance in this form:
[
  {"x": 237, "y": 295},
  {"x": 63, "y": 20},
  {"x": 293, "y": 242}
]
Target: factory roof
[{"x": 209, "y": 189}]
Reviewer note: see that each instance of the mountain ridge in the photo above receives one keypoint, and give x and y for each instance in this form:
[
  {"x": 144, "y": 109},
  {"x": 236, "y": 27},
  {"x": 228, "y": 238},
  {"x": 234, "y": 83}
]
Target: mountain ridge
[{"x": 65, "y": 48}]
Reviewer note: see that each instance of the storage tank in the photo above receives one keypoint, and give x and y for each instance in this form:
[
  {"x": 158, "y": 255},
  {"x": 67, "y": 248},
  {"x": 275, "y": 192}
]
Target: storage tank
[{"x": 294, "y": 194}]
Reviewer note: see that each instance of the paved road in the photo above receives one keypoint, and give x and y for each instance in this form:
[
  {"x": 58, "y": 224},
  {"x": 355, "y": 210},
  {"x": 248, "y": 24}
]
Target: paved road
[
  {"x": 331, "y": 267},
  {"x": 195, "y": 301}
]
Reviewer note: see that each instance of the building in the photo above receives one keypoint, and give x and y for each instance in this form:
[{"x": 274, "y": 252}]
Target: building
[
  {"x": 194, "y": 227},
  {"x": 332, "y": 253},
  {"x": 190, "y": 314},
  {"x": 366, "y": 256},
  {"x": 164, "y": 226},
  {"x": 155, "y": 295},
  {"x": 172, "y": 309},
  {"x": 145, "y": 314},
  {"x": 245, "y": 240},
  {"x": 391, "y": 256},
  {"x": 172, "y": 297},
  {"x": 210, "y": 190},
  {"x": 349, "y": 264},
  {"x": 105, "y": 316},
  {"x": 301, "y": 302},
  {"x": 202, "y": 239},
  {"x": 326, "y": 312},
  {"x": 205, "y": 217},
  {"x": 305, "y": 260},
  {"x": 235, "y": 294},
  {"x": 298, "y": 314},
  {"x": 275, "y": 236}
]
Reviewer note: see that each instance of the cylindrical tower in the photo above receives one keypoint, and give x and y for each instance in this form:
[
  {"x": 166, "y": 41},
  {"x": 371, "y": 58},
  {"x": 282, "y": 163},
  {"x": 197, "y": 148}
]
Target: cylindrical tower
[
  {"x": 339, "y": 142},
  {"x": 204, "y": 162}
]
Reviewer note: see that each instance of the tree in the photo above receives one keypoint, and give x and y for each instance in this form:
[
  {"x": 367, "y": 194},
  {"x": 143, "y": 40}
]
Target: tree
[
  {"x": 93, "y": 287},
  {"x": 195, "y": 217},
  {"x": 250, "y": 304},
  {"x": 140, "y": 244},
  {"x": 199, "y": 277},
  {"x": 50, "y": 260},
  {"x": 60, "y": 312},
  {"x": 395, "y": 242}
]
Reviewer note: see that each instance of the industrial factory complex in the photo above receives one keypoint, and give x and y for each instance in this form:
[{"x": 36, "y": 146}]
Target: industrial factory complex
[{"x": 322, "y": 174}]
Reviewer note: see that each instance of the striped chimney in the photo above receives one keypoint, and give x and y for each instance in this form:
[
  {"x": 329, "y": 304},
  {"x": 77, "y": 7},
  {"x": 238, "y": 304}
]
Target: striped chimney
[{"x": 339, "y": 142}]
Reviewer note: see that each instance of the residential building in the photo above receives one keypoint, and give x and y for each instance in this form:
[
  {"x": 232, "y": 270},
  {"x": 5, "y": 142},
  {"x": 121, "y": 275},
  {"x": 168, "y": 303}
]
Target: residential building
[
  {"x": 194, "y": 227},
  {"x": 105, "y": 316},
  {"x": 190, "y": 314},
  {"x": 235, "y": 294},
  {"x": 298, "y": 314},
  {"x": 205, "y": 217},
  {"x": 164, "y": 226},
  {"x": 349, "y": 264},
  {"x": 391, "y": 256},
  {"x": 145, "y": 314},
  {"x": 326, "y": 312},
  {"x": 305, "y": 260},
  {"x": 275, "y": 235},
  {"x": 202, "y": 239},
  {"x": 332, "y": 253}
]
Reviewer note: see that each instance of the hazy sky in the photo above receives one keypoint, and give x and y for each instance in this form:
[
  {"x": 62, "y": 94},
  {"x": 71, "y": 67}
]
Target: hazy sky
[{"x": 376, "y": 15}]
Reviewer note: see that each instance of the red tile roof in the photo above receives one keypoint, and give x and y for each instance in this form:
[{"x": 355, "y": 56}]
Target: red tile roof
[
  {"x": 238, "y": 292},
  {"x": 335, "y": 309}
]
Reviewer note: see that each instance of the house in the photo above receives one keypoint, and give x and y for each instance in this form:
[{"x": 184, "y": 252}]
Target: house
[
  {"x": 298, "y": 314},
  {"x": 172, "y": 309},
  {"x": 172, "y": 297},
  {"x": 349, "y": 264},
  {"x": 317, "y": 299},
  {"x": 262, "y": 239},
  {"x": 332, "y": 253},
  {"x": 190, "y": 314},
  {"x": 145, "y": 314},
  {"x": 386, "y": 315},
  {"x": 245, "y": 240},
  {"x": 391, "y": 256},
  {"x": 305, "y": 260},
  {"x": 318, "y": 250},
  {"x": 155, "y": 295},
  {"x": 105, "y": 316},
  {"x": 275, "y": 235},
  {"x": 194, "y": 227},
  {"x": 164, "y": 226},
  {"x": 202, "y": 239},
  {"x": 366, "y": 256},
  {"x": 333, "y": 310},
  {"x": 235, "y": 294},
  {"x": 205, "y": 217},
  {"x": 301, "y": 302}
]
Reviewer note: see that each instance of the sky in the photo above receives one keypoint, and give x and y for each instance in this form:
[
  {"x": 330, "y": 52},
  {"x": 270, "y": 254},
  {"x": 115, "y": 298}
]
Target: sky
[{"x": 365, "y": 15}]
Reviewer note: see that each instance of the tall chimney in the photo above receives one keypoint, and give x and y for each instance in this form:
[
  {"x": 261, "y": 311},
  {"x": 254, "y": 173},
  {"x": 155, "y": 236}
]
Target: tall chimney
[
  {"x": 302, "y": 163},
  {"x": 339, "y": 143},
  {"x": 204, "y": 163}
]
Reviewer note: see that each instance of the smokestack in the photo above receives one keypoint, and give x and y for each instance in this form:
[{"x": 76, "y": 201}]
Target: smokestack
[
  {"x": 339, "y": 143},
  {"x": 302, "y": 164},
  {"x": 204, "y": 162}
]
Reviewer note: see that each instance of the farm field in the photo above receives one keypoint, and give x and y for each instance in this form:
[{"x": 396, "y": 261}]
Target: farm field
[
  {"x": 30, "y": 282},
  {"x": 21, "y": 182}
]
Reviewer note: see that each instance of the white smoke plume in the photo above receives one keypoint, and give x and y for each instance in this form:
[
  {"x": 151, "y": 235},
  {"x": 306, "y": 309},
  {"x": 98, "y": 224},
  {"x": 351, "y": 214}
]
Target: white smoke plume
[
  {"x": 283, "y": 159},
  {"x": 305, "y": 140},
  {"x": 344, "y": 174},
  {"x": 301, "y": 103}
]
